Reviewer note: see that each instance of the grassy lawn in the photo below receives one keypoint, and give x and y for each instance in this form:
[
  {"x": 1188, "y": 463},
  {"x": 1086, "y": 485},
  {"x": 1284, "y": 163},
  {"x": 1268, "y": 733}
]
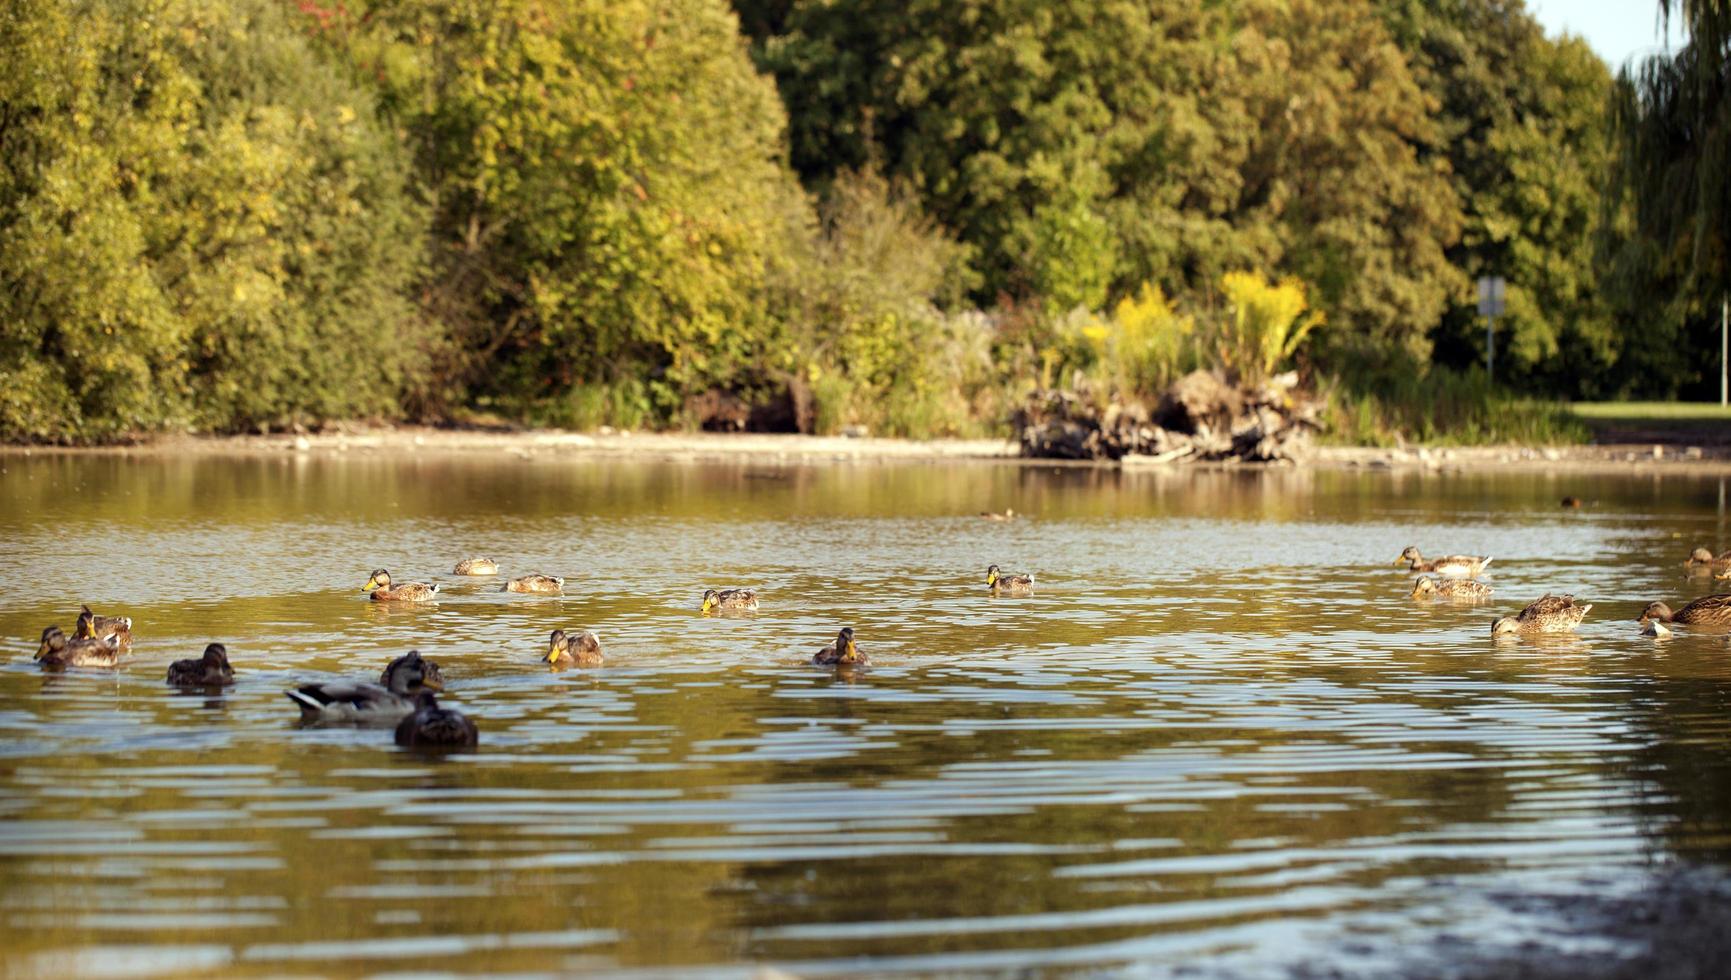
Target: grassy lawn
[
  {"x": 1675, "y": 423},
  {"x": 1653, "y": 411}
]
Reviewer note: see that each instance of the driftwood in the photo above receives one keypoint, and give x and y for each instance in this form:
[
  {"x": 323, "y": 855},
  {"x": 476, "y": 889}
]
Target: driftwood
[{"x": 1200, "y": 416}]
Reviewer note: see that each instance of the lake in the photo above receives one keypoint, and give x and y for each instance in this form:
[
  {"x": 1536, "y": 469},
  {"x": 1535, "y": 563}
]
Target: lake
[{"x": 1219, "y": 736}]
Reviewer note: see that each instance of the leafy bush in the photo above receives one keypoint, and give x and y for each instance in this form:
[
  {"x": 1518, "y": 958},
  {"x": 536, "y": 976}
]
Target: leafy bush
[
  {"x": 1264, "y": 324},
  {"x": 1136, "y": 351}
]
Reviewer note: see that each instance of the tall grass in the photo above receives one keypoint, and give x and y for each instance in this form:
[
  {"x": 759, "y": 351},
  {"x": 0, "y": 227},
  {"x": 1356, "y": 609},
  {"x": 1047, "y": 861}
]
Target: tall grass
[
  {"x": 1442, "y": 408},
  {"x": 1265, "y": 324}
]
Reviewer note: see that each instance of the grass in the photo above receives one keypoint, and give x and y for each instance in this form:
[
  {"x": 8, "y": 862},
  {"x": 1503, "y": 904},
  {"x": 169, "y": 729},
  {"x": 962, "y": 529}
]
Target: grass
[
  {"x": 1443, "y": 408},
  {"x": 1648, "y": 411}
]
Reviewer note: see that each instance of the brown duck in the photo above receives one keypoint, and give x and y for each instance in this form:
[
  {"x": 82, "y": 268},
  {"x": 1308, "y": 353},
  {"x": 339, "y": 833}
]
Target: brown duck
[
  {"x": 1457, "y": 589},
  {"x": 1709, "y": 610},
  {"x": 210, "y": 670},
  {"x": 1547, "y": 614},
  {"x": 1702, "y": 561},
  {"x": 433, "y": 727},
  {"x": 384, "y": 590},
  {"x": 59, "y": 650},
  {"x": 536, "y": 585},
  {"x": 575, "y": 649},
  {"x": 1451, "y": 565},
  {"x": 842, "y": 651},
  {"x": 93, "y": 627}
]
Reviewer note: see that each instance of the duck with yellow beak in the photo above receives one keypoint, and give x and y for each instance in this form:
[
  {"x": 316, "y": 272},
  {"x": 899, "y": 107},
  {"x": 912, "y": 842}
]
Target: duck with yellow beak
[
  {"x": 384, "y": 590},
  {"x": 729, "y": 600},
  {"x": 843, "y": 651},
  {"x": 574, "y": 649}
]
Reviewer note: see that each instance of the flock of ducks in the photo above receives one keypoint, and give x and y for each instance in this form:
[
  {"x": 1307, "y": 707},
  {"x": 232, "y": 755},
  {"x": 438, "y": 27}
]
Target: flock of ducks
[
  {"x": 1454, "y": 577},
  {"x": 405, "y": 693}
]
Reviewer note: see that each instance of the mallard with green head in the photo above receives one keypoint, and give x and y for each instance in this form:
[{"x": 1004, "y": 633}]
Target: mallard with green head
[
  {"x": 210, "y": 670},
  {"x": 59, "y": 650},
  {"x": 536, "y": 585},
  {"x": 729, "y": 600},
  {"x": 999, "y": 583},
  {"x": 1547, "y": 614},
  {"x": 574, "y": 649},
  {"x": 415, "y": 670},
  {"x": 93, "y": 627},
  {"x": 338, "y": 702},
  {"x": 1703, "y": 562},
  {"x": 384, "y": 590},
  {"x": 1456, "y": 589},
  {"x": 1709, "y": 610},
  {"x": 429, "y": 726},
  {"x": 1453, "y": 566},
  {"x": 476, "y": 566},
  {"x": 842, "y": 651}
]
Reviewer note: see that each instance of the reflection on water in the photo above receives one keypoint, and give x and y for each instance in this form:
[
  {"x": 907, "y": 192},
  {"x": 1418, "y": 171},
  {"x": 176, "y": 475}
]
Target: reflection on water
[{"x": 1220, "y": 726}]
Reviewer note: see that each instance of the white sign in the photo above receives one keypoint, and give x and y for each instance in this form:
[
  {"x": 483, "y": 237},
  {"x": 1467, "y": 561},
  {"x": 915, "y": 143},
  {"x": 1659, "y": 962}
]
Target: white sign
[{"x": 1490, "y": 295}]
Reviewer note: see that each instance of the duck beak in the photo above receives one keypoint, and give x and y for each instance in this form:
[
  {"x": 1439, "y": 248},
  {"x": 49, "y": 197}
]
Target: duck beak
[
  {"x": 552, "y": 656},
  {"x": 372, "y": 583},
  {"x": 707, "y": 602},
  {"x": 1397, "y": 561},
  {"x": 432, "y": 684}
]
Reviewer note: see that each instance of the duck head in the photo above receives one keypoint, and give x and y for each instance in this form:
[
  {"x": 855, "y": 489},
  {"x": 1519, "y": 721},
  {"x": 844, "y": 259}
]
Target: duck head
[
  {"x": 380, "y": 579},
  {"x": 1655, "y": 610}
]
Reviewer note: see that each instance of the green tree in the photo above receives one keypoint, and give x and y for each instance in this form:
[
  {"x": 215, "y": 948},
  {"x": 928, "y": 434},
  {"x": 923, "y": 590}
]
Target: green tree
[
  {"x": 1521, "y": 119},
  {"x": 200, "y": 223},
  {"x": 608, "y": 183}
]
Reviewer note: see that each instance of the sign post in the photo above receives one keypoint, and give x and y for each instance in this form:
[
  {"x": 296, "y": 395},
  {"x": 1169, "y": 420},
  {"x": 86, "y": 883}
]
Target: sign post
[{"x": 1490, "y": 307}]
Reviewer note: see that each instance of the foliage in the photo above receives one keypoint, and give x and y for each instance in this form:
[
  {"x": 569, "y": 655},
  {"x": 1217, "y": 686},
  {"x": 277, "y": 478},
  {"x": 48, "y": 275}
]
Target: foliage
[
  {"x": 1264, "y": 324},
  {"x": 607, "y": 181},
  {"x": 1521, "y": 122},
  {"x": 1442, "y": 407},
  {"x": 1670, "y": 261},
  {"x": 1083, "y": 149},
  {"x": 200, "y": 223},
  {"x": 1141, "y": 347}
]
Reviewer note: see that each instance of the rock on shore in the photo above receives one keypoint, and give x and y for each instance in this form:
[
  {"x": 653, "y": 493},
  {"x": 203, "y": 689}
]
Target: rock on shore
[{"x": 1201, "y": 416}]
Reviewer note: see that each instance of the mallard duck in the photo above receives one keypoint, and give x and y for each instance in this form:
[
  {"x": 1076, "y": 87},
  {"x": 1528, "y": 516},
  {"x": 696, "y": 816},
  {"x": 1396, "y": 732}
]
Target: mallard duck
[
  {"x": 536, "y": 585},
  {"x": 1451, "y": 565},
  {"x": 575, "y": 649},
  {"x": 842, "y": 651},
  {"x": 1572, "y": 503},
  {"x": 383, "y": 591},
  {"x": 1459, "y": 589},
  {"x": 431, "y": 727},
  {"x": 1547, "y": 614},
  {"x": 416, "y": 671},
  {"x": 210, "y": 670},
  {"x": 1709, "y": 610},
  {"x": 729, "y": 600},
  {"x": 992, "y": 515},
  {"x": 93, "y": 627},
  {"x": 59, "y": 650},
  {"x": 1001, "y": 584},
  {"x": 1703, "y": 561},
  {"x": 363, "y": 702},
  {"x": 476, "y": 566}
]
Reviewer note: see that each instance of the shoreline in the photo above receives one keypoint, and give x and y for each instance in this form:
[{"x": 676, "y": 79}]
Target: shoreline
[{"x": 803, "y": 449}]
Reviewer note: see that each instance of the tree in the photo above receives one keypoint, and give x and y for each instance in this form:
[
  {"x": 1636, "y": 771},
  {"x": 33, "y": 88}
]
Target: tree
[{"x": 1521, "y": 120}]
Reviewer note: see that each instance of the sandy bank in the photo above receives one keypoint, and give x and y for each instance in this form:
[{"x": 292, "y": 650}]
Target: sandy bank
[{"x": 705, "y": 446}]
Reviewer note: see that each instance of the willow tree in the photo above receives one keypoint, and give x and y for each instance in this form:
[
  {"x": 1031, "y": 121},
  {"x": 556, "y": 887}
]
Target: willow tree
[{"x": 1673, "y": 122}]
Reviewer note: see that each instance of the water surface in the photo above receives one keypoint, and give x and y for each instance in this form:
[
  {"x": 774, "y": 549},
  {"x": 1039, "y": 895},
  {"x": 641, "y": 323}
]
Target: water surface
[{"x": 1219, "y": 736}]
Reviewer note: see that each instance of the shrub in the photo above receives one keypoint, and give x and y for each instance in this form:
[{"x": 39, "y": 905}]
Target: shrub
[{"x": 1264, "y": 324}]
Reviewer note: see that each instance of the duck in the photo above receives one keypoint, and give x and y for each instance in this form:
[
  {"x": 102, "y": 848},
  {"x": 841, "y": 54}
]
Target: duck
[
  {"x": 1451, "y": 565},
  {"x": 364, "y": 702},
  {"x": 1703, "y": 561},
  {"x": 574, "y": 649},
  {"x": 536, "y": 585},
  {"x": 1459, "y": 589},
  {"x": 1013, "y": 584},
  {"x": 382, "y": 589},
  {"x": 729, "y": 600},
  {"x": 210, "y": 670},
  {"x": 415, "y": 670},
  {"x": 91, "y": 626},
  {"x": 992, "y": 515},
  {"x": 1572, "y": 503},
  {"x": 1546, "y": 614},
  {"x": 476, "y": 566},
  {"x": 59, "y": 650},
  {"x": 842, "y": 651},
  {"x": 1709, "y": 610},
  {"x": 429, "y": 726}
]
